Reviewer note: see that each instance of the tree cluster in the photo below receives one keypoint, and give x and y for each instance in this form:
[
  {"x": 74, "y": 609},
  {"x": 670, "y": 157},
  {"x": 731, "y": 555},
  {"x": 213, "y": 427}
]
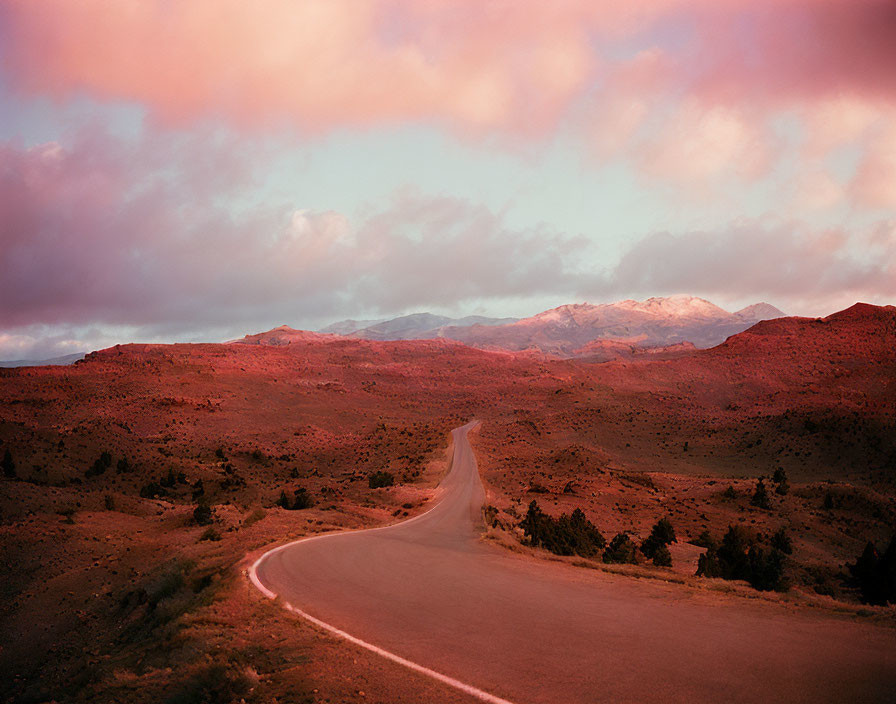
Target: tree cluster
[
  {"x": 741, "y": 556},
  {"x": 301, "y": 500},
  {"x": 570, "y": 534},
  {"x": 655, "y": 545},
  {"x": 875, "y": 574}
]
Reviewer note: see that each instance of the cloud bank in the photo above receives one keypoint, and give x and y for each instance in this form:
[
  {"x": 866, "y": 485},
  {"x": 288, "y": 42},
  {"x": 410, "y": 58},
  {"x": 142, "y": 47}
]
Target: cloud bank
[{"x": 106, "y": 233}]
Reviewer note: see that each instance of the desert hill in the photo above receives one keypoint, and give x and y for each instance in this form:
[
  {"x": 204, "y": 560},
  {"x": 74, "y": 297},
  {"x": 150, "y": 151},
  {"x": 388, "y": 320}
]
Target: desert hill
[{"x": 113, "y": 455}]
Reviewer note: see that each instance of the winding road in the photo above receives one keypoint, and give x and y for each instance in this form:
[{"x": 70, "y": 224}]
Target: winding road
[{"x": 428, "y": 593}]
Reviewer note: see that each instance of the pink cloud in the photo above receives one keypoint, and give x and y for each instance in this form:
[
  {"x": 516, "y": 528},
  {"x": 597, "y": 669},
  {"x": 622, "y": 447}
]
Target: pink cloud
[
  {"x": 474, "y": 65},
  {"x": 100, "y": 231},
  {"x": 315, "y": 65},
  {"x": 786, "y": 262},
  {"x": 874, "y": 183}
]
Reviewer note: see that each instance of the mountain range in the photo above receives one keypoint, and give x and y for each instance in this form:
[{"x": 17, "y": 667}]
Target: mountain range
[
  {"x": 417, "y": 326},
  {"x": 55, "y": 361},
  {"x": 571, "y": 330}
]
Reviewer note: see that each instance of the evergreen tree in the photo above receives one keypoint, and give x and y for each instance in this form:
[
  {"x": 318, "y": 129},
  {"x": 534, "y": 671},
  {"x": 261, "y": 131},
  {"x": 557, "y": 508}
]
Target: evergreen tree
[
  {"x": 621, "y": 550},
  {"x": 760, "y": 496},
  {"x": 662, "y": 557}
]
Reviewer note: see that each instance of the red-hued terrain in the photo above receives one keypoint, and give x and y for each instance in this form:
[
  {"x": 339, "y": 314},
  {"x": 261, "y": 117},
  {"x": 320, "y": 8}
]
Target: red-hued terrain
[
  {"x": 429, "y": 591},
  {"x": 107, "y": 571}
]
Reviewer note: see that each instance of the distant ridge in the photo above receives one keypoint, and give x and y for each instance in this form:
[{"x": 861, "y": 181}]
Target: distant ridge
[
  {"x": 576, "y": 329},
  {"x": 54, "y": 361},
  {"x": 283, "y": 335},
  {"x": 656, "y": 322},
  {"x": 417, "y": 326}
]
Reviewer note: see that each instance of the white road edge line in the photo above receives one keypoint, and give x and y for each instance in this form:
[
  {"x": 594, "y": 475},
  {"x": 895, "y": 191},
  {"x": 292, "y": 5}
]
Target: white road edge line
[{"x": 416, "y": 667}]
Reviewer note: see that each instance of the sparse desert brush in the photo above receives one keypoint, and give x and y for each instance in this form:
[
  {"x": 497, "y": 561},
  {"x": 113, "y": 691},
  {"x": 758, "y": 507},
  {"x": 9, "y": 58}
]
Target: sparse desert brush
[
  {"x": 489, "y": 515},
  {"x": 217, "y": 683}
]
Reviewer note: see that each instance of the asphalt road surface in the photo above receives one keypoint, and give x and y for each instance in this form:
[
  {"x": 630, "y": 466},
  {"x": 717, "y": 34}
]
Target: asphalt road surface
[{"x": 429, "y": 591}]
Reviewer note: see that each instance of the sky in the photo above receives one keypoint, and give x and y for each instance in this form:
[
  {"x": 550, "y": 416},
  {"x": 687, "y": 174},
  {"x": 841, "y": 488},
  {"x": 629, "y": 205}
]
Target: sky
[{"x": 202, "y": 169}]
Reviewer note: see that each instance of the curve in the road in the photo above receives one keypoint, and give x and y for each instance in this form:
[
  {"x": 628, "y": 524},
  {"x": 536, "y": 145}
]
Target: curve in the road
[
  {"x": 416, "y": 667},
  {"x": 428, "y": 594}
]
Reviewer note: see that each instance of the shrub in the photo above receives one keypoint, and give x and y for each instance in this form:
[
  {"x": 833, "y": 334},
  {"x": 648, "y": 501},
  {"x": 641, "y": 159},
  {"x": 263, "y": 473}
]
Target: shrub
[
  {"x": 570, "y": 534},
  {"x": 123, "y": 466},
  {"x": 661, "y": 535},
  {"x": 729, "y": 493},
  {"x": 109, "y": 502},
  {"x": 765, "y": 570},
  {"x": 705, "y": 540},
  {"x": 780, "y": 478},
  {"x": 302, "y": 499},
  {"x": 100, "y": 465},
  {"x": 662, "y": 557},
  {"x": 9, "y": 466},
  {"x": 152, "y": 491},
  {"x": 621, "y": 550},
  {"x": 215, "y": 684},
  {"x": 198, "y": 489},
  {"x": 781, "y": 541},
  {"x": 875, "y": 574},
  {"x": 380, "y": 479},
  {"x": 760, "y": 496},
  {"x": 171, "y": 479},
  {"x": 830, "y": 502},
  {"x": 283, "y": 501},
  {"x": 210, "y": 533},
  {"x": 202, "y": 514}
]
